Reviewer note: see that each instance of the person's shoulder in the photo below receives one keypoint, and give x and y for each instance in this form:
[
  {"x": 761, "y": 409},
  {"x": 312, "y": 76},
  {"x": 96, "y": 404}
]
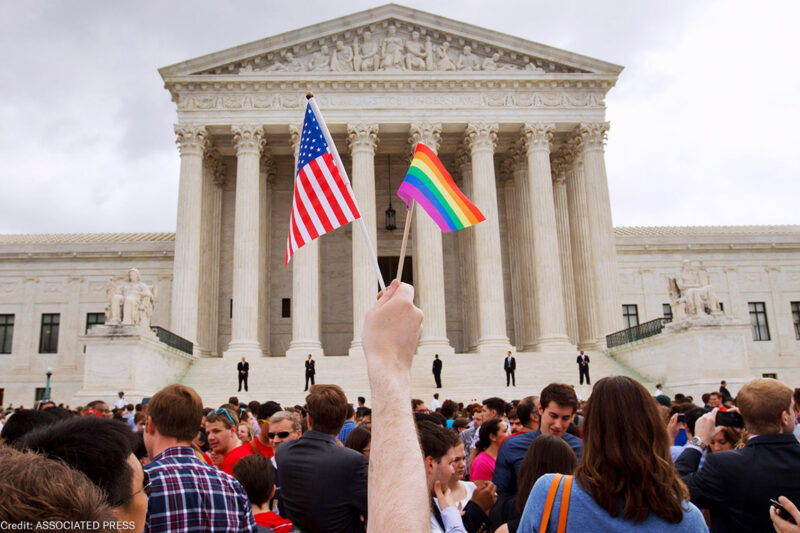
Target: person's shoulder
[{"x": 693, "y": 519}]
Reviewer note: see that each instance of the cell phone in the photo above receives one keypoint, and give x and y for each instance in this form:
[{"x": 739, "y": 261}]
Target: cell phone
[
  {"x": 681, "y": 418},
  {"x": 781, "y": 511},
  {"x": 730, "y": 419}
]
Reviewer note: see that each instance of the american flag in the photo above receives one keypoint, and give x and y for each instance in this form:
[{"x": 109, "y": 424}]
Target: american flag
[{"x": 322, "y": 200}]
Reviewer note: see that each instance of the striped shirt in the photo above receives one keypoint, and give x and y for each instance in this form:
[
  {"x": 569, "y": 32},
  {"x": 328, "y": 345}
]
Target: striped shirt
[{"x": 189, "y": 496}]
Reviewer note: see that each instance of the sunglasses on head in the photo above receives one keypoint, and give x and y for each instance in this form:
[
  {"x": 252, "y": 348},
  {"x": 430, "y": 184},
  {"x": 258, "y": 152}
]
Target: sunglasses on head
[
  {"x": 221, "y": 411},
  {"x": 280, "y": 434}
]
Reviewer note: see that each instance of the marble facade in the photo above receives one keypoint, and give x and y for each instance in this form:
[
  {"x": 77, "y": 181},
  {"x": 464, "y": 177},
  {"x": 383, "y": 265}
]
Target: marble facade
[{"x": 521, "y": 126}]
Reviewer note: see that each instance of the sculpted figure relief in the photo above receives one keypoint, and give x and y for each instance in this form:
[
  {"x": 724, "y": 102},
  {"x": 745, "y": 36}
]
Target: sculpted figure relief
[
  {"x": 443, "y": 59},
  {"x": 691, "y": 291},
  {"x": 418, "y": 55},
  {"x": 368, "y": 56},
  {"x": 130, "y": 302},
  {"x": 468, "y": 61},
  {"x": 392, "y": 50},
  {"x": 292, "y": 64},
  {"x": 320, "y": 60},
  {"x": 342, "y": 58}
]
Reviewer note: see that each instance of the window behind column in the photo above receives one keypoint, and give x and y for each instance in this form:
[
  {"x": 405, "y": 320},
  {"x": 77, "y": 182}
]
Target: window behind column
[
  {"x": 6, "y": 333},
  {"x": 92, "y": 319},
  {"x": 758, "y": 320},
  {"x": 630, "y": 313},
  {"x": 796, "y": 319},
  {"x": 666, "y": 310},
  {"x": 48, "y": 340}
]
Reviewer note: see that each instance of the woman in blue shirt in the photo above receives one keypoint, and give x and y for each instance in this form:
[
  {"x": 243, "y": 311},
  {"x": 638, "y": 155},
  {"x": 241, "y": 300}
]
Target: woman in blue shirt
[{"x": 625, "y": 480}]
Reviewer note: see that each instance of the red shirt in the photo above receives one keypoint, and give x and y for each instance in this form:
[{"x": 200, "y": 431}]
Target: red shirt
[
  {"x": 273, "y": 521},
  {"x": 266, "y": 451},
  {"x": 233, "y": 457}
]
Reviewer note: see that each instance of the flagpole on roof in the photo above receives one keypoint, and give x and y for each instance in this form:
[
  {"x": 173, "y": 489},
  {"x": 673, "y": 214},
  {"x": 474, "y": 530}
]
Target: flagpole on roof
[{"x": 324, "y": 127}]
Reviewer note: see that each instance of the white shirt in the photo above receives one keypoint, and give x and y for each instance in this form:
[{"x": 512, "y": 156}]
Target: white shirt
[
  {"x": 435, "y": 404},
  {"x": 657, "y": 392},
  {"x": 121, "y": 403}
]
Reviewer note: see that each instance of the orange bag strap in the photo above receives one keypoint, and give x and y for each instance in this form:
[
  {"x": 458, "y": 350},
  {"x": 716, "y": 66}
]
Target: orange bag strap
[
  {"x": 562, "y": 514},
  {"x": 548, "y": 505}
]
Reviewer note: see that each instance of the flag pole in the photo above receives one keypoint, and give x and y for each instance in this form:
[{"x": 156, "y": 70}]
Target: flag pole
[
  {"x": 324, "y": 127},
  {"x": 409, "y": 215}
]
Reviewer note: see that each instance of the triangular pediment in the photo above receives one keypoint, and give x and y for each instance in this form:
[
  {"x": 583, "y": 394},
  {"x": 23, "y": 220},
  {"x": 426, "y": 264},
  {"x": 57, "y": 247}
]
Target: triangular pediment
[{"x": 387, "y": 40}]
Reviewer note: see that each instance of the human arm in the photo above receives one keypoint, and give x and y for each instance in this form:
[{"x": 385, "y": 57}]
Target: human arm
[{"x": 391, "y": 331}]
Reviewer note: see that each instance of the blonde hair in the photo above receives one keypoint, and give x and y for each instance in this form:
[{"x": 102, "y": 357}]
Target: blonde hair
[{"x": 761, "y": 402}]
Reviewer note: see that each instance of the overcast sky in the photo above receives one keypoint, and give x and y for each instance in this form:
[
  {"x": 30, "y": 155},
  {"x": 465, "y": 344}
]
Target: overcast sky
[{"x": 703, "y": 118}]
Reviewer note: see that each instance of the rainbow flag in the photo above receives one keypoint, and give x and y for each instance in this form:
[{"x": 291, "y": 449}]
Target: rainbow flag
[{"x": 433, "y": 188}]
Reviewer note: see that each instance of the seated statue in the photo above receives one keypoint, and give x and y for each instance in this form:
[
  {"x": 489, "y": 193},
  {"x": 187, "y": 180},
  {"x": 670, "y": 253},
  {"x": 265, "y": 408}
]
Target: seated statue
[
  {"x": 691, "y": 292},
  {"x": 130, "y": 302}
]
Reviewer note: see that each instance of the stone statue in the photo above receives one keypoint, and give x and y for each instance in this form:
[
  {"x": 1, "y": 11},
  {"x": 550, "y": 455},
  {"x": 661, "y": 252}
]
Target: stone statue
[
  {"x": 367, "y": 58},
  {"x": 467, "y": 60},
  {"x": 491, "y": 63},
  {"x": 443, "y": 59},
  {"x": 342, "y": 58},
  {"x": 417, "y": 53},
  {"x": 292, "y": 64},
  {"x": 320, "y": 60},
  {"x": 130, "y": 302},
  {"x": 392, "y": 50},
  {"x": 691, "y": 292}
]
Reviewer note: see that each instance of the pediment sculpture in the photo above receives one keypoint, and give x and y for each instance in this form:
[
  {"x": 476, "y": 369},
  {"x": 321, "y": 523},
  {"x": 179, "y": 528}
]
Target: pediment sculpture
[
  {"x": 130, "y": 301},
  {"x": 391, "y": 47},
  {"x": 691, "y": 292}
]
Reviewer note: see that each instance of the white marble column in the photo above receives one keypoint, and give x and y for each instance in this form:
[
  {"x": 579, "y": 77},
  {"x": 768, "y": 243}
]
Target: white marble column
[
  {"x": 248, "y": 141},
  {"x": 363, "y": 141},
  {"x": 467, "y": 246},
  {"x": 266, "y": 179},
  {"x": 428, "y": 258},
  {"x": 581, "y": 246},
  {"x": 72, "y": 325},
  {"x": 514, "y": 251},
  {"x": 648, "y": 313},
  {"x": 306, "y": 338},
  {"x": 604, "y": 246},
  {"x": 25, "y": 344},
  {"x": 779, "y": 305},
  {"x": 482, "y": 138},
  {"x": 192, "y": 141},
  {"x": 522, "y": 206},
  {"x": 735, "y": 304},
  {"x": 560, "y": 166},
  {"x": 210, "y": 231},
  {"x": 547, "y": 269}
]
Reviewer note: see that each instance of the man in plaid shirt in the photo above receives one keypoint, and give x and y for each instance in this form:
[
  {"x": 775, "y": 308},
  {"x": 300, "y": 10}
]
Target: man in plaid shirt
[{"x": 186, "y": 494}]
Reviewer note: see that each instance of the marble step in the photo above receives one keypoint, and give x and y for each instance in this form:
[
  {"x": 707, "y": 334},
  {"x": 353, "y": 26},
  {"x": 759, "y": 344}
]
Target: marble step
[{"x": 465, "y": 377}]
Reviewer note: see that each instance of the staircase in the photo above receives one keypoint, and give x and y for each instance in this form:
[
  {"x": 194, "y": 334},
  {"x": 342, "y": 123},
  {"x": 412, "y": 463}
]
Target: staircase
[{"x": 465, "y": 377}]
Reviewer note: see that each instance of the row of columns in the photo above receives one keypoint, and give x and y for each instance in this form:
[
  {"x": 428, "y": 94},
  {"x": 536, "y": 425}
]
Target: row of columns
[{"x": 561, "y": 247}]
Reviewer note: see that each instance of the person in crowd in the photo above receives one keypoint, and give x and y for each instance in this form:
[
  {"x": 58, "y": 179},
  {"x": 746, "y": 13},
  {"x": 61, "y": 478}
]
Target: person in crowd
[
  {"x": 323, "y": 485},
  {"x": 439, "y": 450},
  {"x": 359, "y": 440},
  {"x": 796, "y": 406},
  {"x": 245, "y": 432},
  {"x": 723, "y": 390},
  {"x": 362, "y": 406},
  {"x": 418, "y": 406},
  {"x": 547, "y": 454},
  {"x": 715, "y": 401},
  {"x": 448, "y": 411},
  {"x": 659, "y": 391},
  {"x": 435, "y": 404},
  {"x": 257, "y": 475},
  {"x": 121, "y": 402},
  {"x": 461, "y": 491},
  {"x": 103, "y": 450},
  {"x": 98, "y": 408},
  {"x": 22, "y": 422},
  {"x": 625, "y": 480},
  {"x": 392, "y": 328},
  {"x": 557, "y": 405},
  {"x": 691, "y": 416},
  {"x": 29, "y": 494},
  {"x": 284, "y": 426},
  {"x": 209, "y": 499},
  {"x": 262, "y": 445},
  {"x": 366, "y": 419},
  {"x": 460, "y": 425},
  {"x": 494, "y": 407},
  {"x": 736, "y": 485},
  {"x": 725, "y": 439},
  {"x": 349, "y": 424},
  {"x": 491, "y": 435},
  {"x": 514, "y": 425},
  {"x": 226, "y": 448}
]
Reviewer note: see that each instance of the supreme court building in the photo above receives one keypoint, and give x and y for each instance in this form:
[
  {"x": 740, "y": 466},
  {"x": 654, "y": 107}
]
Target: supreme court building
[{"x": 521, "y": 126}]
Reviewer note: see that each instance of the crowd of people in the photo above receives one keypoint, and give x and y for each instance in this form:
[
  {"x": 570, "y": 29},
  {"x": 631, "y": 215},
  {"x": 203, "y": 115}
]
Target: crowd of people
[{"x": 624, "y": 459}]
